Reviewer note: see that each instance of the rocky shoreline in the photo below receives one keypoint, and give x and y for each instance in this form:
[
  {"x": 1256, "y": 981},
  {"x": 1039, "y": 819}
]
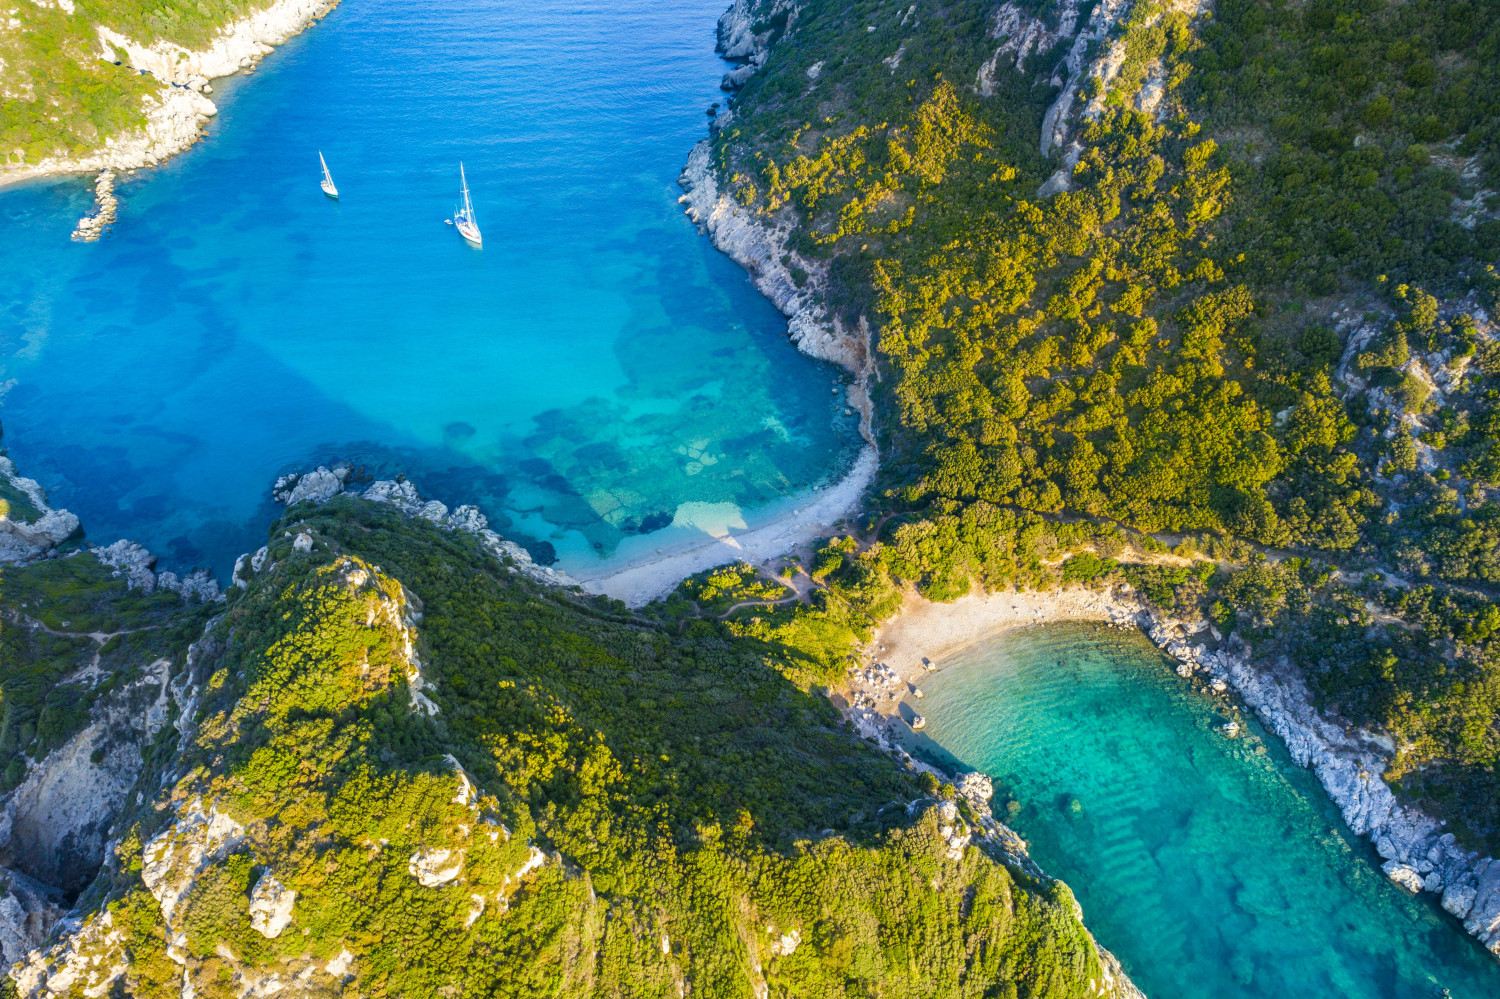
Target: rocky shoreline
[
  {"x": 1419, "y": 855},
  {"x": 177, "y": 111}
]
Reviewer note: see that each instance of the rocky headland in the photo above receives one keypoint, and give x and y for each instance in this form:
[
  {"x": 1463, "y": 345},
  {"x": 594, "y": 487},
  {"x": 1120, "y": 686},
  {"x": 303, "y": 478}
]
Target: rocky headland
[
  {"x": 178, "y": 109},
  {"x": 57, "y": 824}
]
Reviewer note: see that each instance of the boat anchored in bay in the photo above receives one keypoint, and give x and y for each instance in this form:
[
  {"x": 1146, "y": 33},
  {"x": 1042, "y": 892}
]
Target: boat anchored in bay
[
  {"x": 463, "y": 219},
  {"x": 327, "y": 184}
]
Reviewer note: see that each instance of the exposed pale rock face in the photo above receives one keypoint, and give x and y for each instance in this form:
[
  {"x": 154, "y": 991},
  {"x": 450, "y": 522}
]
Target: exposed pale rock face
[
  {"x": 954, "y": 831},
  {"x": 433, "y": 868},
  {"x": 271, "y": 906},
  {"x": 1070, "y": 75},
  {"x": 55, "y": 824},
  {"x": 1350, "y": 764},
  {"x": 738, "y": 38},
  {"x": 738, "y": 77},
  {"x": 87, "y": 961},
  {"x": 1023, "y": 35},
  {"x": 135, "y": 564},
  {"x": 402, "y": 494},
  {"x": 977, "y": 789},
  {"x": 1484, "y": 915},
  {"x": 237, "y": 46},
  {"x": 92, "y": 226},
  {"x": 130, "y": 561},
  {"x": 759, "y": 245},
  {"x": 534, "y": 859},
  {"x": 174, "y": 118},
  {"x": 28, "y": 911},
  {"x": 340, "y": 965},
  {"x": 173, "y": 859},
  {"x": 786, "y": 945},
  {"x": 1459, "y": 899}
]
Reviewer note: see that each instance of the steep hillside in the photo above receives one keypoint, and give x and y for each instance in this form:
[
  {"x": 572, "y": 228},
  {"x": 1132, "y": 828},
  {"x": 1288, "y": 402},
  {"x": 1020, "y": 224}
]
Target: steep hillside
[
  {"x": 396, "y": 765},
  {"x": 1224, "y": 271}
]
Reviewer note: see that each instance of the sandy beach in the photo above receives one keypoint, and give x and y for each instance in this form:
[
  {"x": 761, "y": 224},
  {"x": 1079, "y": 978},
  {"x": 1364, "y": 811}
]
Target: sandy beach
[
  {"x": 638, "y": 583},
  {"x": 910, "y": 645}
]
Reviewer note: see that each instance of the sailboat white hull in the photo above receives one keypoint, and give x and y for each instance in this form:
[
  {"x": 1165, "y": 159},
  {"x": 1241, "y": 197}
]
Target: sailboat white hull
[
  {"x": 463, "y": 219},
  {"x": 327, "y": 182}
]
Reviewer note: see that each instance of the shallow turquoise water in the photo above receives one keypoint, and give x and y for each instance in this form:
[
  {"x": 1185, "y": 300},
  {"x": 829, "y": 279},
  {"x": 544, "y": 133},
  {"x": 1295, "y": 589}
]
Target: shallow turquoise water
[
  {"x": 1211, "y": 866},
  {"x": 594, "y": 367}
]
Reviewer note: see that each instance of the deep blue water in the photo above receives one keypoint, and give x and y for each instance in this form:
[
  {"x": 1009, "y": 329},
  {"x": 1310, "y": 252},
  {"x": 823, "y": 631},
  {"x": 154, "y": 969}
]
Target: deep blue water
[
  {"x": 597, "y": 365},
  {"x": 1211, "y": 866}
]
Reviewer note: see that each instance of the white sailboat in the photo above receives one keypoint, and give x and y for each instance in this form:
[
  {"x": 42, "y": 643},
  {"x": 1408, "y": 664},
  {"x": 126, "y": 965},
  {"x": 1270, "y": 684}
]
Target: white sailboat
[
  {"x": 327, "y": 184},
  {"x": 463, "y": 219}
]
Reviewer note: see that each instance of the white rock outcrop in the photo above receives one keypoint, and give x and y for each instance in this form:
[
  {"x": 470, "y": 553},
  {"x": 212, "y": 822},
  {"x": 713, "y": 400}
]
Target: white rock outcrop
[
  {"x": 23, "y": 541},
  {"x": 237, "y": 46},
  {"x": 271, "y": 905},
  {"x": 1071, "y": 74},
  {"x": 435, "y": 867},
  {"x": 1403, "y": 875},
  {"x": 136, "y": 565},
  {"x": 318, "y": 486},
  {"x": 759, "y": 246},
  {"x": 55, "y": 824},
  {"x": 174, "y": 858},
  {"x": 1022, "y": 35},
  {"x": 93, "y": 225},
  {"x": 340, "y": 965},
  {"x": 737, "y": 37},
  {"x": 787, "y": 943},
  {"x": 88, "y": 959}
]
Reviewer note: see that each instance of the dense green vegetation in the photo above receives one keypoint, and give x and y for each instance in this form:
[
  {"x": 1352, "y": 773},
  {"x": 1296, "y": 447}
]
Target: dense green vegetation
[
  {"x": 694, "y": 798},
  {"x": 1163, "y": 344},
  {"x": 60, "y": 96}
]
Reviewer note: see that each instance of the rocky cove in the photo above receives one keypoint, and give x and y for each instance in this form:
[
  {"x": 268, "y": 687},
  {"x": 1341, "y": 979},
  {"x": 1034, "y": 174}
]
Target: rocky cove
[{"x": 883, "y": 698}]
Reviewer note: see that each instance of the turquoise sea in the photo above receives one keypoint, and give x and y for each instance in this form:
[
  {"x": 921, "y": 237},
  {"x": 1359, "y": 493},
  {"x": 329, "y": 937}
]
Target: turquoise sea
[
  {"x": 1212, "y": 867},
  {"x": 595, "y": 366}
]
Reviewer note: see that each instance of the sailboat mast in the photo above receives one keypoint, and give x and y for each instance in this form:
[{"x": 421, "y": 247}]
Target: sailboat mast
[{"x": 464, "y": 181}]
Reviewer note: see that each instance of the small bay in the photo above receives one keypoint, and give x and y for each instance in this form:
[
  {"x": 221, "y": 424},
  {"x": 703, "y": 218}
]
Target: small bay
[
  {"x": 596, "y": 366},
  {"x": 1211, "y": 866}
]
